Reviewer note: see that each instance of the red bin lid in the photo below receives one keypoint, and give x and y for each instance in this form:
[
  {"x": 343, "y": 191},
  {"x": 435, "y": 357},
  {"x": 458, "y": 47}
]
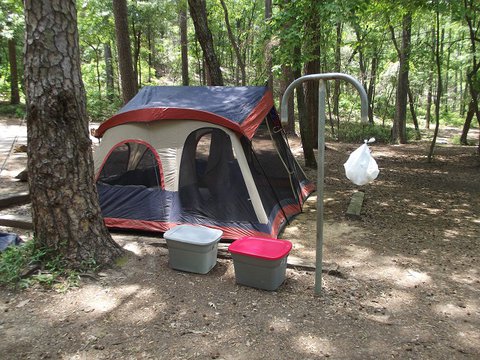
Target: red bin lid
[{"x": 263, "y": 248}]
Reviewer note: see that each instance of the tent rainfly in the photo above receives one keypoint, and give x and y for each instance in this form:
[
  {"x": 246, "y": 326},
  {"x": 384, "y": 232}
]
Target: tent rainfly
[{"x": 212, "y": 156}]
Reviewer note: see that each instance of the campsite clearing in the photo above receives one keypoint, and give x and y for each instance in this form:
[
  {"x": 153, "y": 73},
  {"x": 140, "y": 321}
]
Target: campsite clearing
[{"x": 406, "y": 283}]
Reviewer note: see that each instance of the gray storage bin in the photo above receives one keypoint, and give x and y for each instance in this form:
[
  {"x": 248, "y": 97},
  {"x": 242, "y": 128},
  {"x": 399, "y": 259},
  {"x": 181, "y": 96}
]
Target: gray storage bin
[{"x": 192, "y": 248}]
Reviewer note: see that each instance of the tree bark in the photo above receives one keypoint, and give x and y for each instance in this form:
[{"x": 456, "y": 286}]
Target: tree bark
[
  {"x": 12, "y": 58},
  {"x": 182, "y": 19},
  {"x": 127, "y": 76},
  {"x": 198, "y": 13},
  {"x": 399, "y": 133},
  {"x": 66, "y": 214}
]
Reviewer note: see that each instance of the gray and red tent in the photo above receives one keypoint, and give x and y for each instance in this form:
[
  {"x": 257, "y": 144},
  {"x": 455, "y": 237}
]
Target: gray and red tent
[{"x": 212, "y": 156}]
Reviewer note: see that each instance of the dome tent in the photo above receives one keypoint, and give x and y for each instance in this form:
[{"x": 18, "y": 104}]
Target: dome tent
[{"x": 213, "y": 156}]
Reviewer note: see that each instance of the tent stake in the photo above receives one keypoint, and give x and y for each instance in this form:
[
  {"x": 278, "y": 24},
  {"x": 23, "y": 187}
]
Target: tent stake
[{"x": 321, "y": 148}]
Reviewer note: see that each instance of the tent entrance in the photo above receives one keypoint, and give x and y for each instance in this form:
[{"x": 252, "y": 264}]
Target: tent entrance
[{"x": 211, "y": 183}]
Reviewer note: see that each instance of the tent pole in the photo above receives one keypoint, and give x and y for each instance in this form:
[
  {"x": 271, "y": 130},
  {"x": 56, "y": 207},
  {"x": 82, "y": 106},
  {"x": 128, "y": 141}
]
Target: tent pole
[{"x": 321, "y": 148}]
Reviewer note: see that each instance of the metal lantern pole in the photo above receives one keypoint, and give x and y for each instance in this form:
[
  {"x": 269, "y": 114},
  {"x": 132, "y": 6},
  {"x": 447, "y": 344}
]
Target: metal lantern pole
[{"x": 321, "y": 148}]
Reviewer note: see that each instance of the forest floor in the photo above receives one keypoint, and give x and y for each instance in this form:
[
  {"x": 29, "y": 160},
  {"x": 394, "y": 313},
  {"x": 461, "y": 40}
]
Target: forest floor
[{"x": 406, "y": 285}]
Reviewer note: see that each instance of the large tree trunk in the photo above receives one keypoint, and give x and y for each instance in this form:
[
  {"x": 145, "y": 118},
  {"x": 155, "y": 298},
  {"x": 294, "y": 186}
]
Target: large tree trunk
[
  {"x": 66, "y": 214},
  {"x": 127, "y": 76},
  {"x": 182, "y": 19},
  {"x": 12, "y": 58},
  {"x": 198, "y": 12}
]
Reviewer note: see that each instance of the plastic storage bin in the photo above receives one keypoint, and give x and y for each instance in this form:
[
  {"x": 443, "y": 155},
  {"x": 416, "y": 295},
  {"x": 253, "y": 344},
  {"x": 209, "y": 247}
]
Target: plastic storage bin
[
  {"x": 260, "y": 262},
  {"x": 192, "y": 248}
]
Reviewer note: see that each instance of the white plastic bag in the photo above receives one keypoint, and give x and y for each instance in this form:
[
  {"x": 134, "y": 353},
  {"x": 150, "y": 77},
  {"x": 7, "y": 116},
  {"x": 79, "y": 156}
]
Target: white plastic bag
[{"x": 361, "y": 168}]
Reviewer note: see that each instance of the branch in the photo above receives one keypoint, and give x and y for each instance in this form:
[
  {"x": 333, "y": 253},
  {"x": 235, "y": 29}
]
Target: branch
[{"x": 392, "y": 32}]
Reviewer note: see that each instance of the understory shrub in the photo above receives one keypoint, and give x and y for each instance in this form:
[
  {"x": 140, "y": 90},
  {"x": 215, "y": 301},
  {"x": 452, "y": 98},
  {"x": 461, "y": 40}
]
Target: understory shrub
[{"x": 25, "y": 265}]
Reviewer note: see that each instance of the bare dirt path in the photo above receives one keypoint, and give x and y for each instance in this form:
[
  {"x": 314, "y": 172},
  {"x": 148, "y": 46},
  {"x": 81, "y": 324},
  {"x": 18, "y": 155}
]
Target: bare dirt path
[{"x": 408, "y": 285}]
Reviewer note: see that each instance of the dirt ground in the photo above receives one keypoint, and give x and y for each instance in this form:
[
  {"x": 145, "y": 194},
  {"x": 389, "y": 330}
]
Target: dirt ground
[{"x": 406, "y": 285}]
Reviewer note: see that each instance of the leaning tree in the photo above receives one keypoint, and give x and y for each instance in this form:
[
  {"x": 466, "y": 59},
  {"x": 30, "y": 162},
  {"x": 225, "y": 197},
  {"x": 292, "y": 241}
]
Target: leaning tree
[{"x": 65, "y": 209}]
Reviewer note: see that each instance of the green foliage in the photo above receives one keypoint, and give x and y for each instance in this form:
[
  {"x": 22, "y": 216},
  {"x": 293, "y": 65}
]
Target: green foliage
[
  {"x": 456, "y": 141},
  {"x": 452, "y": 119},
  {"x": 12, "y": 110},
  {"x": 47, "y": 268},
  {"x": 357, "y": 133},
  {"x": 100, "y": 108}
]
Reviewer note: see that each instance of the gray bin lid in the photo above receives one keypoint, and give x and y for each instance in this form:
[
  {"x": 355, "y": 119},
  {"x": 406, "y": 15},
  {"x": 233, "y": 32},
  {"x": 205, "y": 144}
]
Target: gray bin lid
[{"x": 197, "y": 235}]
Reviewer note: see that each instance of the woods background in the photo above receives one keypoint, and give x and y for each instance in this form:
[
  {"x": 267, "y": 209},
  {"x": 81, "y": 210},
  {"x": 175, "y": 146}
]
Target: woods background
[{"x": 418, "y": 60}]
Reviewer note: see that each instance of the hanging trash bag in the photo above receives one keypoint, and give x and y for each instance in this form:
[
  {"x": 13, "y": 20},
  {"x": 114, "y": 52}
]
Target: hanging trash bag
[{"x": 361, "y": 168}]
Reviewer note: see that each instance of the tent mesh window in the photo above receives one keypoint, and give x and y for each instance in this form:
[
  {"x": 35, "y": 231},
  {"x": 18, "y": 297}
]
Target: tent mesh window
[
  {"x": 211, "y": 183},
  {"x": 273, "y": 174},
  {"x": 131, "y": 163}
]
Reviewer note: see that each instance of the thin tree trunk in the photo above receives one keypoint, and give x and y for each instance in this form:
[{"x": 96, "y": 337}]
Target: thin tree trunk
[
  {"x": 198, "y": 13},
  {"x": 305, "y": 132},
  {"x": 472, "y": 77},
  {"x": 127, "y": 76},
  {"x": 313, "y": 30},
  {"x": 467, "y": 124},
  {"x": 97, "y": 70},
  {"x": 65, "y": 211},
  {"x": 150, "y": 60},
  {"x": 107, "y": 50},
  {"x": 447, "y": 73},
  {"x": 137, "y": 45},
  {"x": 399, "y": 133},
  {"x": 287, "y": 78},
  {"x": 371, "y": 88},
  {"x": 411, "y": 102},
  {"x": 361, "y": 62},
  {"x": 268, "y": 48},
  {"x": 12, "y": 58},
  {"x": 240, "y": 63},
  {"x": 438, "y": 98},
  {"x": 338, "y": 68},
  {"x": 184, "y": 41}
]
